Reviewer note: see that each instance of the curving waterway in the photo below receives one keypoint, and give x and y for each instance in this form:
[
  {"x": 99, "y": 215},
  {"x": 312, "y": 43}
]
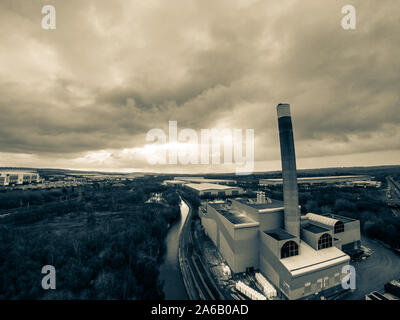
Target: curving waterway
[{"x": 170, "y": 272}]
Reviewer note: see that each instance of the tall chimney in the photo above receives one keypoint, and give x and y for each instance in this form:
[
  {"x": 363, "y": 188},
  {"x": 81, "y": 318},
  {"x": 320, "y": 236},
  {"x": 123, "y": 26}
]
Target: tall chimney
[{"x": 289, "y": 174}]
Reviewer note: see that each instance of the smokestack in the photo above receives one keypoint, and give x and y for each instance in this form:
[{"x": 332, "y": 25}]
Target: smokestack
[
  {"x": 289, "y": 174},
  {"x": 260, "y": 197}
]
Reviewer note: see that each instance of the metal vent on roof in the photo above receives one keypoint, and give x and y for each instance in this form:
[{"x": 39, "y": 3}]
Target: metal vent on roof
[{"x": 321, "y": 219}]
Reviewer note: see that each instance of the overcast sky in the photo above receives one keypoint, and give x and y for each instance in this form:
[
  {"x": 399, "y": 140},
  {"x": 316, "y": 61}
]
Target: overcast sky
[{"x": 84, "y": 96}]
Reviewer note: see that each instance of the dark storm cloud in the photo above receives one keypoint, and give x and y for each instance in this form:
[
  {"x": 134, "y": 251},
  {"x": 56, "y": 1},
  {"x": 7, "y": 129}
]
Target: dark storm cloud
[{"x": 111, "y": 71}]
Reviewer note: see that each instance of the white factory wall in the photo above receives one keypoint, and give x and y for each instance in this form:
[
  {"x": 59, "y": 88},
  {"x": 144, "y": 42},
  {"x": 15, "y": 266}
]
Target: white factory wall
[
  {"x": 270, "y": 264},
  {"x": 238, "y": 246},
  {"x": 351, "y": 233},
  {"x": 227, "y": 252},
  {"x": 271, "y": 244},
  {"x": 324, "y": 279},
  {"x": 312, "y": 238},
  {"x": 271, "y": 220},
  {"x": 210, "y": 226},
  {"x": 246, "y": 244}
]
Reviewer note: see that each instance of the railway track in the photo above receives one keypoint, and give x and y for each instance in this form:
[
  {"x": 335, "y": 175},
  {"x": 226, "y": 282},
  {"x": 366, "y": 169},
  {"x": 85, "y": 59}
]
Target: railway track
[{"x": 195, "y": 284}]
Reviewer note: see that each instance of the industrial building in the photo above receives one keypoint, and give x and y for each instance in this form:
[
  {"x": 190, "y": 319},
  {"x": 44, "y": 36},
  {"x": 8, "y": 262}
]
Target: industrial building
[
  {"x": 206, "y": 180},
  {"x": 18, "y": 177},
  {"x": 174, "y": 182},
  {"x": 299, "y": 255},
  {"x": 211, "y": 189},
  {"x": 345, "y": 180},
  {"x": 181, "y": 181}
]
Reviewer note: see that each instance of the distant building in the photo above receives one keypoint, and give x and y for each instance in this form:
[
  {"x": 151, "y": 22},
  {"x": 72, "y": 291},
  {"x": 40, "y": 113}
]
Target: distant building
[
  {"x": 210, "y": 189},
  {"x": 349, "y": 180},
  {"x": 206, "y": 180},
  {"x": 18, "y": 177},
  {"x": 174, "y": 182}
]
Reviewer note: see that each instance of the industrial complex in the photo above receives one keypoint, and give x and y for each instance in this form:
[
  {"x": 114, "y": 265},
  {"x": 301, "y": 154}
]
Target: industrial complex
[
  {"x": 207, "y": 187},
  {"x": 18, "y": 177},
  {"x": 206, "y": 180},
  {"x": 300, "y": 255},
  {"x": 354, "y": 180},
  {"x": 211, "y": 189}
]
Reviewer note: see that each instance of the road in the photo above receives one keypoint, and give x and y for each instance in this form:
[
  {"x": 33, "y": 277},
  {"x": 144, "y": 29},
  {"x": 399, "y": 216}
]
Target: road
[{"x": 394, "y": 191}]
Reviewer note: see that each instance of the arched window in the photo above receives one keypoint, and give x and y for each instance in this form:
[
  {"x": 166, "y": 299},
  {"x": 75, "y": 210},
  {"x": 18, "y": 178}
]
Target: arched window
[
  {"x": 289, "y": 249},
  {"x": 325, "y": 241},
  {"x": 339, "y": 227}
]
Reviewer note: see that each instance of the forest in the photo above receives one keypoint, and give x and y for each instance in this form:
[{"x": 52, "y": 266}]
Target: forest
[{"x": 105, "y": 242}]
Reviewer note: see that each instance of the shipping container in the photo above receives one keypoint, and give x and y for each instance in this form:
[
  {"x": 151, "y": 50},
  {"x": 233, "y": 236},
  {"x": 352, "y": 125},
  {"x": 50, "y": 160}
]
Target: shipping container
[{"x": 393, "y": 287}]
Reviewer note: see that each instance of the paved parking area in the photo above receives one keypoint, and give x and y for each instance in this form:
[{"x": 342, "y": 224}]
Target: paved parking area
[{"x": 372, "y": 274}]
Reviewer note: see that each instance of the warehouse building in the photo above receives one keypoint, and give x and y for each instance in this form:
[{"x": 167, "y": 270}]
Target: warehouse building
[
  {"x": 174, "y": 183},
  {"x": 213, "y": 190},
  {"x": 300, "y": 255},
  {"x": 18, "y": 177},
  {"x": 346, "y": 180},
  {"x": 206, "y": 180}
]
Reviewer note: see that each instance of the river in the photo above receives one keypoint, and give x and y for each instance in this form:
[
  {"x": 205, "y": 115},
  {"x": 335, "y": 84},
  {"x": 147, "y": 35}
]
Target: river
[{"x": 170, "y": 272}]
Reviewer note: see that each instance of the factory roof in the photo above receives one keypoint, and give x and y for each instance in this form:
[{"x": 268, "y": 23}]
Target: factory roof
[
  {"x": 310, "y": 260},
  {"x": 314, "y": 229},
  {"x": 174, "y": 182},
  {"x": 340, "y": 218},
  {"x": 209, "y": 186},
  {"x": 269, "y": 204},
  {"x": 205, "y": 180},
  {"x": 235, "y": 219},
  {"x": 279, "y": 234},
  {"x": 233, "y": 215}
]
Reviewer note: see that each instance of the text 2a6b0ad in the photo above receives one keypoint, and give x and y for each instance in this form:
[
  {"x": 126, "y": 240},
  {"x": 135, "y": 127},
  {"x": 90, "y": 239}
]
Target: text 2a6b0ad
[{"x": 221, "y": 309}]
